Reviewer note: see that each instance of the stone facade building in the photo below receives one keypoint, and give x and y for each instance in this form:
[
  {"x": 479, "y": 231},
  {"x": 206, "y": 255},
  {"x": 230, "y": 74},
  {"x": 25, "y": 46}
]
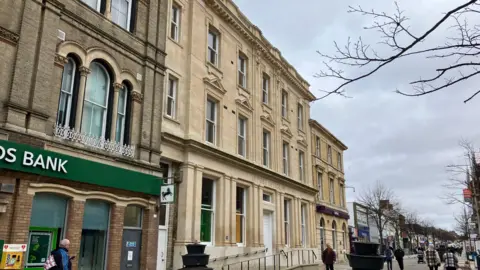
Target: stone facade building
[
  {"x": 81, "y": 94},
  {"x": 236, "y": 132}
]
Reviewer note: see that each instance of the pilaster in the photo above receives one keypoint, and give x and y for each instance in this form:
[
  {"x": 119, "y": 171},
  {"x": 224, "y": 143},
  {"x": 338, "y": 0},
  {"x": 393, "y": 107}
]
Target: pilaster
[
  {"x": 84, "y": 71},
  {"x": 197, "y": 204},
  {"x": 227, "y": 225},
  {"x": 137, "y": 100},
  {"x": 185, "y": 206},
  {"x": 116, "y": 90},
  {"x": 255, "y": 217},
  {"x": 233, "y": 220},
  {"x": 280, "y": 213},
  {"x": 260, "y": 219},
  {"x": 220, "y": 208}
]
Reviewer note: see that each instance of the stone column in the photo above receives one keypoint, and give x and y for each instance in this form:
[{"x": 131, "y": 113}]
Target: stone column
[
  {"x": 184, "y": 206},
  {"x": 220, "y": 212},
  {"x": 116, "y": 90},
  {"x": 280, "y": 222},
  {"x": 296, "y": 218},
  {"x": 227, "y": 225},
  {"x": 260, "y": 219},
  {"x": 137, "y": 99},
  {"x": 115, "y": 236},
  {"x": 84, "y": 71},
  {"x": 74, "y": 229},
  {"x": 197, "y": 204},
  {"x": 233, "y": 210},
  {"x": 253, "y": 235},
  {"x": 313, "y": 227},
  {"x": 108, "y": 9}
]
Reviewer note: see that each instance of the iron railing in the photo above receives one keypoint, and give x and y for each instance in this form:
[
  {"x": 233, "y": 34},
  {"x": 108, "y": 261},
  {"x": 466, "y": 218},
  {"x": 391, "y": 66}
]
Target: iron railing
[{"x": 283, "y": 259}]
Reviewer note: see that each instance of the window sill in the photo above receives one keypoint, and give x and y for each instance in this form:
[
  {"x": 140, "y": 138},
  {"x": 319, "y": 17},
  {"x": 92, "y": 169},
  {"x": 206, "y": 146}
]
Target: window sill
[
  {"x": 301, "y": 131},
  {"x": 176, "y": 42},
  {"x": 243, "y": 88},
  {"x": 266, "y": 106},
  {"x": 285, "y": 119},
  {"x": 216, "y": 68},
  {"x": 171, "y": 119}
]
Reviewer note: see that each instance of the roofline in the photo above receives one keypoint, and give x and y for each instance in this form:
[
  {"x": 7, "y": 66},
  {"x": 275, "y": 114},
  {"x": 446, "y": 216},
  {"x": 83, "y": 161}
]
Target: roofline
[
  {"x": 316, "y": 124},
  {"x": 254, "y": 34}
]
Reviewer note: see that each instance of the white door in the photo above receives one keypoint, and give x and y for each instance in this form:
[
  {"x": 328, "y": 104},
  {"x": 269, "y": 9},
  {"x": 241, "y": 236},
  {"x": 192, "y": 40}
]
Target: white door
[
  {"x": 268, "y": 231},
  {"x": 162, "y": 251}
]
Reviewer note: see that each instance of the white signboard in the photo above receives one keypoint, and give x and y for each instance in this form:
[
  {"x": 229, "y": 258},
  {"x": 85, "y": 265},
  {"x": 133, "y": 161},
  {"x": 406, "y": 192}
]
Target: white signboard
[
  {"x": 14, "y": 247},
  {"x": 167, "y": 193}
]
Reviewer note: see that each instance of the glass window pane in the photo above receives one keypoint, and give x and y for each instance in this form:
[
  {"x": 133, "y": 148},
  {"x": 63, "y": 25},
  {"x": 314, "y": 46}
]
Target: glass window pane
[
  {"x": 96, "y": 215},
  {"x": 133, "y": 216},
  {"x": 122, "y": 95},
  {"x": 97, "y": 85},
  {"x": 48, "y": 210},
  {"x": 206, "y": 226},
  {"x": 207, "y": 193}
]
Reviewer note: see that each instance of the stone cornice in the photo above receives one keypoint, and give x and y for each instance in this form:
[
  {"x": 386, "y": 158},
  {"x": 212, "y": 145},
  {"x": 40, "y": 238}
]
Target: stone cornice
[
  {"x": 316, "y": 125},
  {"x": 8, "y": 35},
  {"x": 201, "y": 148},
  {"x": 262, "y": 47}
]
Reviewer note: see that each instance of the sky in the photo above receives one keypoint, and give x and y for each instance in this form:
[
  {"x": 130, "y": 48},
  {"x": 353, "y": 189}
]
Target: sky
[{"x": 404, "y": 142}]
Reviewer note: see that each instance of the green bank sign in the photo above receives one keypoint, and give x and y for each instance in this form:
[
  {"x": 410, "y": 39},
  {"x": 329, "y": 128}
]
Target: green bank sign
[{"x": 28, "y": 159}]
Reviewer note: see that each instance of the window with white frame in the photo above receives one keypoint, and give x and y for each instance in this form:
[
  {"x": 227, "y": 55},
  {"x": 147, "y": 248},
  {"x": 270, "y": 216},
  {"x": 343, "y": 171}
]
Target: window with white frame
[
  {"x": 320, "y": 185},
  {"x": 175, "y": 22},
  {"x": 121, "y": 114},
  {"x": 329, "y": 154},
  {"x": 334, "y": 235},
  {"x": 317, "y": 146},
  {"x": 240, "y": 216},
  {"x": 242, "y": 136},
  {"x": 332, "y": 191},
  {"x": 207, "y": 215},
  {"x": 303, "y": 211},
  {"x": 285, "y": 158},
  {"x": 284, "y": 104},
  {"x": 339, "y": 161},
  {"x": 213, "y": 46},
  {"x": 341, "y": 196},
  {"x": 95, "y": 4},
  {"x": 65, "y": 115},
  {"x": 286, "y": 221},
  {"x": 265, "y": 88},
  {"x": 211, "y": 121},
  {"x": 242, "y": 70},
  {"x": 121, "y": 12},
  {"x": 94, "y": 119},
  {"x": 266, "y": 148},
  {"x": 301, "y": 166},
  {"x": 300, "y": 116},
  {"x": 171, "y": 108}
]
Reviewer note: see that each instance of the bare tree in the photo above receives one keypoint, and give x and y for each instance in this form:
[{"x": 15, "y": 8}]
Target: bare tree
[
  {"x": 380, "y": 201},
  {"x": 462, "y": 223},
  {"x": 412, "y": 226},
  {"x": 461, "y": 50}
]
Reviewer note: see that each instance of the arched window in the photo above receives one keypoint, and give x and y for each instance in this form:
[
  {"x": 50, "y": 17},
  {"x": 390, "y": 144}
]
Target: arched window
[
  {"x": 67, "y": 100},
  {"x": 344, "y": 236},
  {"x": 322, "y": 234},
  {"x": 122, "y": 130},
  {"x": 334, "y": 235},
  {"x": 95, "y": 106}
]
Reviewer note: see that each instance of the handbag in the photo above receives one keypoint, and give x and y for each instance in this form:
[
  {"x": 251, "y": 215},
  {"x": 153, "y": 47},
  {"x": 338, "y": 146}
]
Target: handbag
[{"x": 49, "y": 263}]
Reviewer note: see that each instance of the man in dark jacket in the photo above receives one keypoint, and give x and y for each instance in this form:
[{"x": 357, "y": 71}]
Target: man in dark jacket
[
  {"x": 329, "y": 257},
  {"x": 62, "y": 259},
  {"x": 399, "y": 254}
]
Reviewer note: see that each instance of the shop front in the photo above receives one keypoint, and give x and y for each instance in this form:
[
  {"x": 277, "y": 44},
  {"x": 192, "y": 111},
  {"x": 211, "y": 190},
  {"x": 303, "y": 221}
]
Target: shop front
[
  {"x": 334, "y": 228},
  {"x": 107, "y": 212}
]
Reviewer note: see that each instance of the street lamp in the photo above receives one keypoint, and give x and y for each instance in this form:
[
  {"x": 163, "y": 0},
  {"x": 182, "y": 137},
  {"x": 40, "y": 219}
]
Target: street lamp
[{"x": 351, "y": 188}]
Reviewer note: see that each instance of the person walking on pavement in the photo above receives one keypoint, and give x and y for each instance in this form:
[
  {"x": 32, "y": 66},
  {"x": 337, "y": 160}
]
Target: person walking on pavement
[
  {"x": 431, "y": 255},
  {"x": 329, "y": 257},
  {"x": 399, "y": 254},
  {"x": 451, "y": 260},
  {"x": 62, "y": 260},
  {"x": 389, "y": 257}
]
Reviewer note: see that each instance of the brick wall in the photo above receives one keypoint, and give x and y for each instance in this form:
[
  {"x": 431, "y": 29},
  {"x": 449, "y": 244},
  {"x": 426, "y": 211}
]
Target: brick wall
[
  {"x": 74, "y": 229},
  {"x": 115, "y": 237},
  {"x": 148, "y": 259}
]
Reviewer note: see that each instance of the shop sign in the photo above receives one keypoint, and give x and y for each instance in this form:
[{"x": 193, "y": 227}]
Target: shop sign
[
  {"x": 28, "y": 159},
  {"x": 167, "y": 193},
  {"x": 14, "y": 247}
]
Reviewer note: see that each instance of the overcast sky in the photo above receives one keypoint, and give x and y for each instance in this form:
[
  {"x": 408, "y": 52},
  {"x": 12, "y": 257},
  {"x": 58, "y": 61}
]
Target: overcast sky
[{"x": 402, "y": 141}]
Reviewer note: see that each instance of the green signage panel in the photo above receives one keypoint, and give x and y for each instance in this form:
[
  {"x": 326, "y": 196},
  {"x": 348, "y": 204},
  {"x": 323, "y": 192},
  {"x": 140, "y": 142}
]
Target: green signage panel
[
  {"x": 25, "y": 158},
  {"x": 39, "y": 248}
]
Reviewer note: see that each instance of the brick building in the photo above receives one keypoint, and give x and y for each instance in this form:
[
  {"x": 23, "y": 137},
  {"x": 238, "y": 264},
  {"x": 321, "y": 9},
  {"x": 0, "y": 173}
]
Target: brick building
[{"x": 81, "y": 94}]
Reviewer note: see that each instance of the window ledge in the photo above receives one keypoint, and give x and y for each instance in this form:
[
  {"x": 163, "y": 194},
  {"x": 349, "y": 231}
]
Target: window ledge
[
  {"x": 175, "y": 42},
  {"x": 301, "y": 131},
  {"x": 265, "y": 105},
  {"x": 169, "y": 118},
  {"x": 243, "y": 88},
  {"x": 217, "y": 69},
  {"x": 285, "y": 119}
]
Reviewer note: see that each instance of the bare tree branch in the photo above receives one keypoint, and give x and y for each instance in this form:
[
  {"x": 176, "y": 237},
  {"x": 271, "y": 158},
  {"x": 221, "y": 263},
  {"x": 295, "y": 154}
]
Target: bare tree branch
[{"x": 397, "y": 36}]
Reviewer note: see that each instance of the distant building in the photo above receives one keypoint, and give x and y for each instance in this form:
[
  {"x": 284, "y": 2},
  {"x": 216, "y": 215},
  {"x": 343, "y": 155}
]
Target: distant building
[{"x": 359, "y": 220}]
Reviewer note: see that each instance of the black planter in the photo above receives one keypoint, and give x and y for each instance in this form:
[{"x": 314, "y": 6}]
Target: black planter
[
  {"x": 366, "y": 257},
  {"x": 195, "y": 248},
  {"x": 365, "y": 248}
]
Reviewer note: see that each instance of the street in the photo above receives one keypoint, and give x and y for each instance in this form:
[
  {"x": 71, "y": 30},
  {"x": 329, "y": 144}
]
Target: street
[{"x": 410, "y": 264}]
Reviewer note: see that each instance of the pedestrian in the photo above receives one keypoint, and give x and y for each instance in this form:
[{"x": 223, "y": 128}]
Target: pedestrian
[
  {"x": 329, "y": 257},
  {"x": 451, "y": 260},
  {"x": 62, "y": 260},
  {"x": 399, "y": 254},
  {"x": 431, "y": 255},
  {"x": 389, "y": 257}
]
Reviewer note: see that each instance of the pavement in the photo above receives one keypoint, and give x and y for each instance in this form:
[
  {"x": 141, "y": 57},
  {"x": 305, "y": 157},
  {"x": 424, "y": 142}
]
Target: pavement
[{"x": 410, "y": 263}]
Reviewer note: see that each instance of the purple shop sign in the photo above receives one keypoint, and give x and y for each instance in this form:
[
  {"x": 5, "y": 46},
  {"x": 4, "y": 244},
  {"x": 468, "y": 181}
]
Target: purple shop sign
[{"x": 332, "y": 212}]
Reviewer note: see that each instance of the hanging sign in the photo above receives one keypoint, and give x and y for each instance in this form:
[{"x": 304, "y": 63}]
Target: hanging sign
[{"x": 167, "y": 193}]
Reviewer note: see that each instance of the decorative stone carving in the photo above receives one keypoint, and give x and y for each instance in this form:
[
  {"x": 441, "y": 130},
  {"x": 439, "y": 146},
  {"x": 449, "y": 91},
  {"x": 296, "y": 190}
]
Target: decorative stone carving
[
  {"x": 215, "y": 83},
  {"x": 267, "y": 117},
  {"x": 60, "y": 60},
  {"x": 137, "y": 96},
  {"x": 8, "y": 35},
  {"x": 84, "y": 71},
  {"x": 117, "y": 86},
  {"x": 285, "y": 130},
  {"x": 244, "y": 101},
  {"x": 302, "y": 141}
]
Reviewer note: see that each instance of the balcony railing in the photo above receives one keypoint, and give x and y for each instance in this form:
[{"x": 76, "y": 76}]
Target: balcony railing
[{"x": 70, "y": 134}]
